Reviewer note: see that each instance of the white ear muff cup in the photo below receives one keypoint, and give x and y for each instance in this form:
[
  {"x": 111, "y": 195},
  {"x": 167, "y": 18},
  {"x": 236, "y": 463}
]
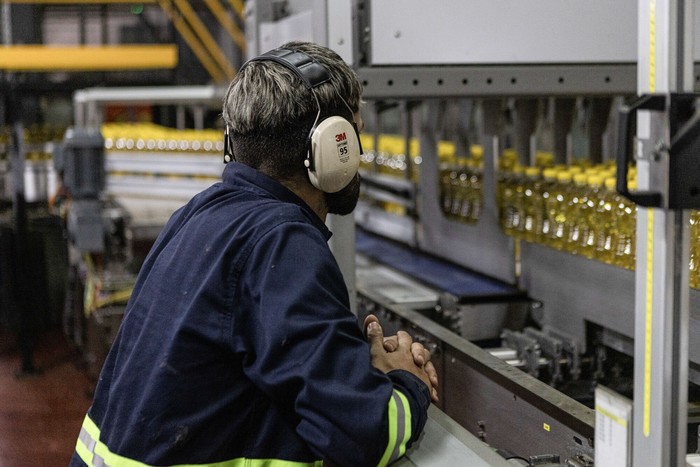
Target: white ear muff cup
[{"x": 335, "y": 154}]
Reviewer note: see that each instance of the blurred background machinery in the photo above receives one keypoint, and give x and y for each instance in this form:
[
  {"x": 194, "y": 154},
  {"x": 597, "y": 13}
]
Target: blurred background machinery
[{"x": 490, "y": 225}]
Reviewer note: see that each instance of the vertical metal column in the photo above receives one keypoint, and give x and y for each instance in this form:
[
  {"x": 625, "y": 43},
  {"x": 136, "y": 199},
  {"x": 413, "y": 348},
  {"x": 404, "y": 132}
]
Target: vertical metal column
[
  {"x": 6, "y": 23},
  {"x": 661, "y": 301},
  {"x": 342, "y": 244},
  {"x": 407, "y": 133},
  {"x": 599, "y": 112},
  {"x": 492, "y": 115},
  {"x": 524, "y": 125},
  {"x": 563, "y": 117},
  {"x": 23, "y": 293}
]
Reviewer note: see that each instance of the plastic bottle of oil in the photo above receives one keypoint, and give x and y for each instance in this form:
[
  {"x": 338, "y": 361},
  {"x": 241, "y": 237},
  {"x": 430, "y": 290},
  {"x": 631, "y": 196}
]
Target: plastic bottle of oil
[
  {"x": 446, "y": 188},
  {"x": 519, "y": 201},
  {"x": 549, "y": 181},
  {"x": 504, "y": 197},
  {"x": 465, "y": 186},
  {"x": 504, "y": 192},
  {"x": 512, "y": 200},
  {"x": 626, "y": 214},
  {"x": 695, "y": 249},
  {"x": 456, "y": 193},
  {"x": 531, "y": 226},
  {"x": 558, "y": 211},
  {"x": 475, "y": 194},
  {"x": 504, "y": 168},
  {"x": 577, "y": 228},
  {"x": 607, "y": 223},
  {"x": 504, "y": 185},
  {"x": 592, "y": 199}
]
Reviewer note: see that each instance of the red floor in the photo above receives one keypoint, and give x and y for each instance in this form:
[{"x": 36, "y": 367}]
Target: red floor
[{"x": 40, "y": 415}]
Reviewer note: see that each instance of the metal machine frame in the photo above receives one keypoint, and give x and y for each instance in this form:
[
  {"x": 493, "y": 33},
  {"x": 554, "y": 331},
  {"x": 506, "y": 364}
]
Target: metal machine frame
[
  {"x": 398, "y": 62},
  {"x": 662, "y": 283}
]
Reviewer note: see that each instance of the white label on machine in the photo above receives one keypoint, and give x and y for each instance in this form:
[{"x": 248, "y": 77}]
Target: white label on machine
[{"x": 613, "y": 426}]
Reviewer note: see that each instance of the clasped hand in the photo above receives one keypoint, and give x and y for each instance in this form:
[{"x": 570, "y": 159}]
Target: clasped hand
[{"x": 399, "y": 352}]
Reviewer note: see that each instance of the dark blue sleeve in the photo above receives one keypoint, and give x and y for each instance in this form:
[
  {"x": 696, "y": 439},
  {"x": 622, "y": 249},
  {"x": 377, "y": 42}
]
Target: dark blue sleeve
[{"x": 310, "y": 357}]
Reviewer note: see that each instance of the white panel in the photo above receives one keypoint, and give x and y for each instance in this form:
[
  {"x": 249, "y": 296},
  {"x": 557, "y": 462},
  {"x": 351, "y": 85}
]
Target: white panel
[
  {"x": 61, "y": 30},
  {"x": 63, "y": 27},
  {"x": 340, "y": 28},
  {"x": 503, "y": 31},
  {"x": 93, "y": 30},
  {"x": 294, "y": 27},
  {"x": 613, "y": 426}
]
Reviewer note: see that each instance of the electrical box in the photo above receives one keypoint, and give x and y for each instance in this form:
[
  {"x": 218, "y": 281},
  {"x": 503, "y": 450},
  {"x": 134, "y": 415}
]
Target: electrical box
[{"x": 82, "y": 155}]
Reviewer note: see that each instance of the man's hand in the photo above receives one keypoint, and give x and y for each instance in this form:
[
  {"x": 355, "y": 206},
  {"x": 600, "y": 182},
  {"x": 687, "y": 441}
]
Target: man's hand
[{"x": 400, "y": 352}]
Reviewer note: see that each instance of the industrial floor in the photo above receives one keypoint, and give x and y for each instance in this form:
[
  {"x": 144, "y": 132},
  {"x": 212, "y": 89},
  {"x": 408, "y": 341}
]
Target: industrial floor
[{"x": 41, "y": 413}]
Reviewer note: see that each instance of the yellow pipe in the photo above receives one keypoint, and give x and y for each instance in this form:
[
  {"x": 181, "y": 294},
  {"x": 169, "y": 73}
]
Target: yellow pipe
[
  {"x": 193, "y": 42},
  {"x": 206, "y": 38},
  {"x": 222, "y": 15},
  {"x": 87, "y": 58},
  {"x": 238, "y": 8}
]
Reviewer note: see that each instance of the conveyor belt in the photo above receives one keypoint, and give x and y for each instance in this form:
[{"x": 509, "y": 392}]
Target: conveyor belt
[{"x": 465, "y": 285}]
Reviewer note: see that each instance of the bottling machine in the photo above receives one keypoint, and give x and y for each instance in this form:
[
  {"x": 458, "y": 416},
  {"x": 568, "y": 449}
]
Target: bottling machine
[{"x": 587, "y": 332}]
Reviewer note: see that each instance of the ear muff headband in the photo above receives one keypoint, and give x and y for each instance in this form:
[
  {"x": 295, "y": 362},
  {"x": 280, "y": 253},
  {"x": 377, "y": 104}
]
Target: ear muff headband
[{"x": 311, "y": 72}]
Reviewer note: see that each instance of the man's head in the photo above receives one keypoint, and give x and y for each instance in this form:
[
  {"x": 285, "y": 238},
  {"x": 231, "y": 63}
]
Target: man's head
[{"x": 270, "y": 111}]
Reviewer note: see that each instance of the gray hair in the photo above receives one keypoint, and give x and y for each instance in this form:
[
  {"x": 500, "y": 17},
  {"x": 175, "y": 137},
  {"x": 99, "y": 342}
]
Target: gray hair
[{"x": 270, "y": 112}]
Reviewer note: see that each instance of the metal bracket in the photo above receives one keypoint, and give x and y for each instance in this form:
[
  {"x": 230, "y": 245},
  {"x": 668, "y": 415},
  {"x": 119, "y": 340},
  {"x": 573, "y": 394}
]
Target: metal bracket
[{"x": 683, "y": 123}]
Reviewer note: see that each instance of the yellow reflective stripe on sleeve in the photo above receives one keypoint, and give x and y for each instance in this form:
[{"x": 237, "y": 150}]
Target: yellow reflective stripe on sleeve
[
  {"x": 96, "y": 454},
  {"x": 83, "y": 452},
  {"x": 407, "y": 426},
  {"x": 399, "y": 428},
  {"x": 91, "y": 428}
]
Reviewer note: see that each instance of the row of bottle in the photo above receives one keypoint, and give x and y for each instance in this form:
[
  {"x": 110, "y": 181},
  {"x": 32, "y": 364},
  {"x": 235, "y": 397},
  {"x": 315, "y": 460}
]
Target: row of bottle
[
  {"x": 695, "y": 249},
  {"x": 461, "y": 194},
  {"x": 461, "y": 187},
  {"x": 579, "y": 212},
  {"x": 149, "y": 137},
  {"x": 569, "y": 209},
  {"x": 138, "y": 137},
  {"x": 37, "y": 140},
  {"x": 390, "y": 158}
]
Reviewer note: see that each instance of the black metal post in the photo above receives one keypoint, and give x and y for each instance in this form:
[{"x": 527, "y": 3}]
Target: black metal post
[{"x": 26, "y": 327}]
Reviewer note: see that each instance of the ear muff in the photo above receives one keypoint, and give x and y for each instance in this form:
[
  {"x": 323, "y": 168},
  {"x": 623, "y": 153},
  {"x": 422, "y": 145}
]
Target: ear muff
[
  {"x": 228, "y": 148},
  {"x": 334, "y": 154}
]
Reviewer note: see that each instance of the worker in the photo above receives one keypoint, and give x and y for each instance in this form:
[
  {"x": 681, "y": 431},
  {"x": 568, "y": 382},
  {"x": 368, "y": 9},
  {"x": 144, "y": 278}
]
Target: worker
[{"x": 238, "y": 346}]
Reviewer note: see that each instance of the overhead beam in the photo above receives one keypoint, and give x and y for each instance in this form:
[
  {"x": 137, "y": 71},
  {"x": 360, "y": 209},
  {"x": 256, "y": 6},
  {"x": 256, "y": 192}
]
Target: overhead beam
[
  {"x": 75, "y": 2},
  {"x": 238, "y": 7},
  {"x": 48, "y": 58}
]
